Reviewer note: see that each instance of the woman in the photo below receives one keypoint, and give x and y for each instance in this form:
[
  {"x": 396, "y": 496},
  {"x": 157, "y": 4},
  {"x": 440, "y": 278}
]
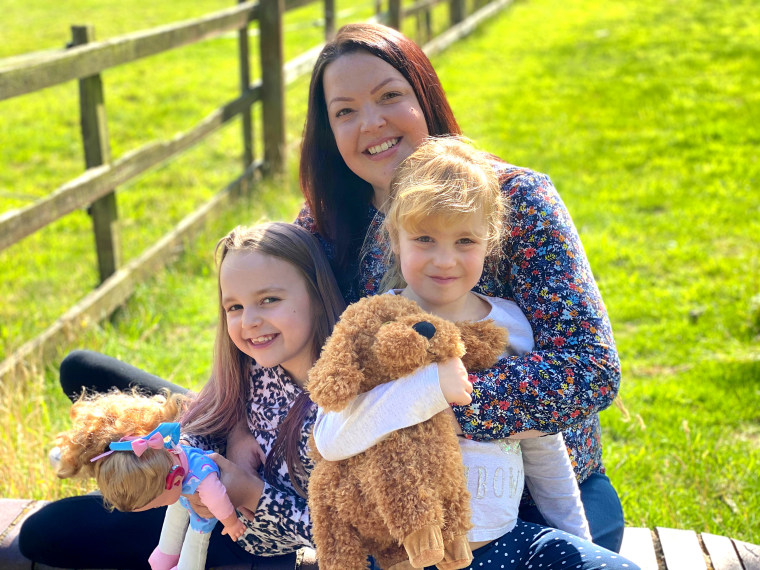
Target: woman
[{"x": 374, "y": 96}]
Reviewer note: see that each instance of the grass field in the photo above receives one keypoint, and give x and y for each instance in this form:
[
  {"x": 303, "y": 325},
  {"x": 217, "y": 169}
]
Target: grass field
[{"x": 646, "y": 114}]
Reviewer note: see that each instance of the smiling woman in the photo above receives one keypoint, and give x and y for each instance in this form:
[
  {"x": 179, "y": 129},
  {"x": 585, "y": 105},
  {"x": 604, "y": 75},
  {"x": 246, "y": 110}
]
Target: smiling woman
[{"x": 374, "y": 116}]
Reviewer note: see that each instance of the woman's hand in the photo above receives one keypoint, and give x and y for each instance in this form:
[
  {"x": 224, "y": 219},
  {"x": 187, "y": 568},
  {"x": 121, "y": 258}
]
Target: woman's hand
[{"x": 452, "y": 377}]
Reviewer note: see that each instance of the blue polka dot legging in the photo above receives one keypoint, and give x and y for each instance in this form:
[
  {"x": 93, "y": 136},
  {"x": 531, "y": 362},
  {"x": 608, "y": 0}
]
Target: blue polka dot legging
[{"x": 530, "y": 546}]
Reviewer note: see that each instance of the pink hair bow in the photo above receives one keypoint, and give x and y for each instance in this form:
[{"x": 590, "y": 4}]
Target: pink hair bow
[
  {"x": 155, "y": 441},
  {"x": 166, "y": 435}
]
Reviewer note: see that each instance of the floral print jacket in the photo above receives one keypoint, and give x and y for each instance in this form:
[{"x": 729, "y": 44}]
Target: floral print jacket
[{"x": 574, "y": 371}]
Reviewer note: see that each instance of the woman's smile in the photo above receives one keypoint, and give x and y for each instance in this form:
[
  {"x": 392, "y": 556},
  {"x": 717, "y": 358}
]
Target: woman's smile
[
  {"x": 382, "y": 147},
  {"x": 374, "y": 115}
]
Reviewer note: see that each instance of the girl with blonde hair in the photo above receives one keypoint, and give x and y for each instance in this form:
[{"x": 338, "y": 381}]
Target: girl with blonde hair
[{"x": 445, "y": 218}]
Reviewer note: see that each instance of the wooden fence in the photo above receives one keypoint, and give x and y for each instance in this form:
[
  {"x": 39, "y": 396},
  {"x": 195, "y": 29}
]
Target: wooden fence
[{"x": 95, "y": 189}]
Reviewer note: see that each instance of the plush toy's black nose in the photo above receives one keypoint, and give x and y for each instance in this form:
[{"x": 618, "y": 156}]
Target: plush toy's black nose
[{"x": 425, "y": 328}]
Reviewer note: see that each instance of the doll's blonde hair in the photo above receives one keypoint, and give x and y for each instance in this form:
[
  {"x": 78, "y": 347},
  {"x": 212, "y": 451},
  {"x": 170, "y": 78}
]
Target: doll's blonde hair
[
  {"x": 445, "y": 178},
  {"x": 127, "y": 482}
]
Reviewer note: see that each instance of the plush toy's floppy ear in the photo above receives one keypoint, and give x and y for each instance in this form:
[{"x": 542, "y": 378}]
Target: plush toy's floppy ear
[
  {"x": 335, "y": 379},
  {"x": 484, "y": 342}
]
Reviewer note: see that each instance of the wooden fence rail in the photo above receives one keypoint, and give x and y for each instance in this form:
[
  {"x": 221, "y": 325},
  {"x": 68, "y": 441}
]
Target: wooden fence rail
[
  {"x": 87, "y": 60},
  {"x": 95, "y": 189}
]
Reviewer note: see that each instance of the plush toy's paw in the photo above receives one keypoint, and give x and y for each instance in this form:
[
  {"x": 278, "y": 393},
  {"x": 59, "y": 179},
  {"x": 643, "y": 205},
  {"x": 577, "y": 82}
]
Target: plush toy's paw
[
  {"x": 161, "y": 561},
  {"x": 457, "y": 554},
  {"x": 424, "y": 546}
]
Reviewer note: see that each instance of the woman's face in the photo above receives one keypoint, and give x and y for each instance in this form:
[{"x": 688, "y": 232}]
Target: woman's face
[
  {"x": 374, "y": 115},
  {"x": 269, "y": 313}
]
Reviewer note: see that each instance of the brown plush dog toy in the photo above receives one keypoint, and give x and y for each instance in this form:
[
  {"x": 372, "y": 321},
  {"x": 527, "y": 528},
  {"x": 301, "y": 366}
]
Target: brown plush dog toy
[{"x": 405, "y": 500}]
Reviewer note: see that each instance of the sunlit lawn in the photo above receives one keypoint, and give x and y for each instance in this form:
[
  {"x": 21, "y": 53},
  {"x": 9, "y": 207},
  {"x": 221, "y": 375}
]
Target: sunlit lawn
[{"x": 645, "y": 113}]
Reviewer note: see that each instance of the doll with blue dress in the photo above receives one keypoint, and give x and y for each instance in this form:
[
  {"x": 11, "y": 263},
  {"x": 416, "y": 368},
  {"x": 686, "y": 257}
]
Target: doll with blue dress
[{"x": 131, "y": 446}]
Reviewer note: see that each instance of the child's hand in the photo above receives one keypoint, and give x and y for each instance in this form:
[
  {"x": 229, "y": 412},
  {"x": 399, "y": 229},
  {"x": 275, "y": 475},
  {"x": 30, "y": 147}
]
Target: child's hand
[
  {"x": 243, "y": 489},
  {"x": 455, "y": 386},
  {"x": 243, "y": 449},
  {"x": 233, "y": 527}
]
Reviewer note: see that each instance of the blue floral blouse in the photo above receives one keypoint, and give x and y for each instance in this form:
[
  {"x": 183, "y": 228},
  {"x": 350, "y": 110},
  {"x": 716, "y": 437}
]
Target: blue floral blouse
[{"x": 574, "y": 370}]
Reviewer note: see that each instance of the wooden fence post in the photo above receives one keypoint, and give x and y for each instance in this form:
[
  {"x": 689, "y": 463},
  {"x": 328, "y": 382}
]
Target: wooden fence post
[
  {"x": 97, "y": 151},
  {"x": 246, "y": 117},
  {"x": 329, "y": 20},
  {"x": 272, "y": 84},
  {"x": 395, "y": 14},
  {"x": 457, "y": 10}
]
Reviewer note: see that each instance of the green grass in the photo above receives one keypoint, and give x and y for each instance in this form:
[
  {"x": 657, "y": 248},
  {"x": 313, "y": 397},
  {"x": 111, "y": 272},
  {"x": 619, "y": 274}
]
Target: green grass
[
  {"x": 645, "y": 113},
  {"x": 145, "y": 101},
  {"x": 647, "y": 117}
]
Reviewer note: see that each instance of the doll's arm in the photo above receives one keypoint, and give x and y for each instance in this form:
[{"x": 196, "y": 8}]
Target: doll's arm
[
  {"x": 373, "y": 415},
  {"x": 277, "y": 519},
  {"x": 552, "y": 484},
  {"x": 214, "y": 496}
]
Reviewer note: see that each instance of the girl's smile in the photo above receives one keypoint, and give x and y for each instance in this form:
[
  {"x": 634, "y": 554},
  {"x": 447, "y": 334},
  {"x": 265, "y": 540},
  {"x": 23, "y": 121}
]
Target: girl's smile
[{"x": 261, "y": 341}]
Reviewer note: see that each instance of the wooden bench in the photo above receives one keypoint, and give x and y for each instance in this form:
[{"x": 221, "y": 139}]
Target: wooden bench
[
  {"x": 671, "y": 549},
  {"x": 658, "y": 549}
]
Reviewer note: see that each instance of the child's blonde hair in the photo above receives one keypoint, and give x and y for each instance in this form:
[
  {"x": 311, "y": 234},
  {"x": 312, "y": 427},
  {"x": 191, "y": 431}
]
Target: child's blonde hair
[
  {"x": 127, "y": 482},
  {"x": 444, "y": 178}
]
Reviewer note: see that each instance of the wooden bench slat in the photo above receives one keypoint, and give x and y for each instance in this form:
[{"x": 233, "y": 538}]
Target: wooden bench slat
[
  {"x": 722, "y": 553},
  {"x": 638, "y": 547},
  {"x": 681, "y": 549},
  {"x": 749, "y": 554},
  {"x": 12, "y": 513},
  {"x": 10, "y": 509}
]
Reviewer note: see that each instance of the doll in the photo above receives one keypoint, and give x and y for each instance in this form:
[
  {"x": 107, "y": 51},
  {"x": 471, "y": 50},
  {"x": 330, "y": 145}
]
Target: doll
[{"x": 144, "y": 467}]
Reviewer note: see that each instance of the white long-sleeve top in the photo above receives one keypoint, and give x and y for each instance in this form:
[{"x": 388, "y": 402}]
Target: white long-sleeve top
[{"x": 496, "y": 470}]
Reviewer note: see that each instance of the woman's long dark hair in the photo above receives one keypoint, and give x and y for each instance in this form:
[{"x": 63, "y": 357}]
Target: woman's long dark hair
[{"x": 337, "y": 197}]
